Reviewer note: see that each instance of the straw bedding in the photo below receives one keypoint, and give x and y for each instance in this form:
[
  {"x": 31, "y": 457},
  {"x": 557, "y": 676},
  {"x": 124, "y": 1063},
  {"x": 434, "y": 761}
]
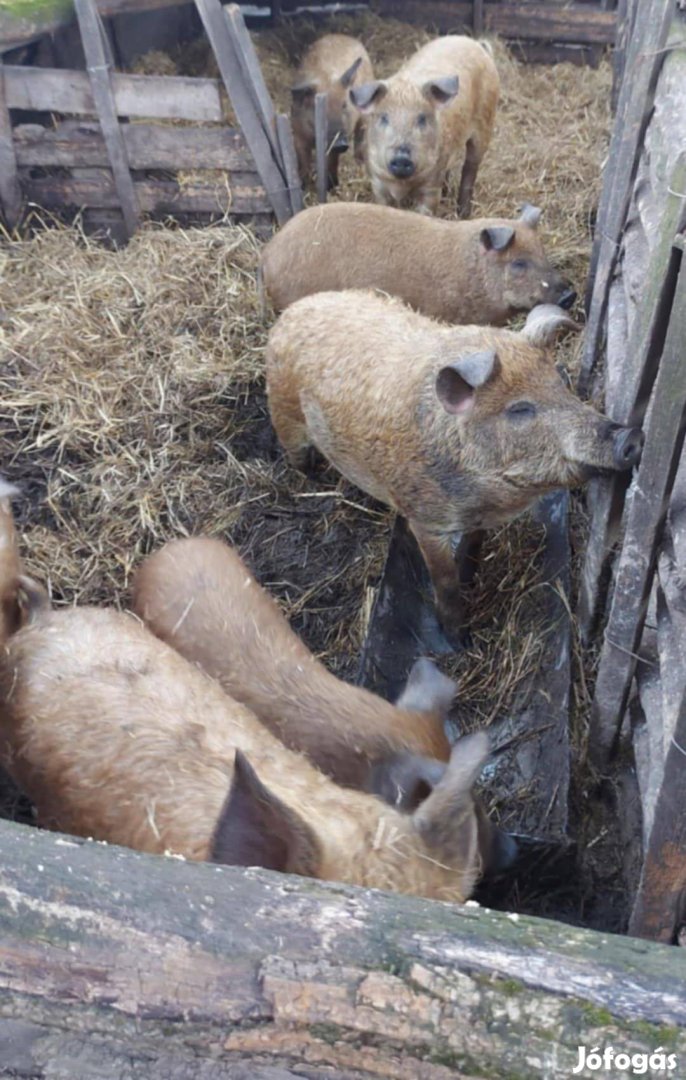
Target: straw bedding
[{"x": 132, "y": 405}]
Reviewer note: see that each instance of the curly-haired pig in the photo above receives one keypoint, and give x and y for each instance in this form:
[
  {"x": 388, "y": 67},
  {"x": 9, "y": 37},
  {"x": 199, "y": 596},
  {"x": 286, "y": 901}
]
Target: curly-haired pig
[
  {"x": 198, "y": 595},
  {"x": 113, "y": 735},
  {"x": 332, "y": 65},
  {"x": 434, "y": 116},
  {"x": 479, "y": 271},
  {"x": 10, "y": 567},
  {"x": 459, "y": 428}
]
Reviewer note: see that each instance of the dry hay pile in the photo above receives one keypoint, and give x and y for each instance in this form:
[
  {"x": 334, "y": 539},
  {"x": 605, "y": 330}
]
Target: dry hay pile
[{"x": 132, "y": 405}]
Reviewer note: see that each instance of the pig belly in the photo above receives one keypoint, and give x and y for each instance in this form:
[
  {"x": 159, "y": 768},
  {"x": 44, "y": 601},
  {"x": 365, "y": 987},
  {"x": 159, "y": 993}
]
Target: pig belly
[{"x": 321, "y": 436}]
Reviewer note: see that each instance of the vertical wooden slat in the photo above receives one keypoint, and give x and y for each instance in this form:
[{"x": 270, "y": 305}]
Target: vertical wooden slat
[
  {"x": 10, "y": 191},
  {"x": 320, "y": 145},
  {"x": 99, "y": 75},
  {"x": 250, "y": 66},
  {"x": 645, "y": 517},
  {"x": 643, "y": 353},
  {"x": 285, "y": 136},
  {"x": 244, "y": 100},
  {"x": 645, "y": 58},
  {"x": 478, "y": 17}
]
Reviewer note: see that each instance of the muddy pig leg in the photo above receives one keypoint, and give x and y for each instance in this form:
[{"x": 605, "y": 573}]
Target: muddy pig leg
[
  {"x": 452, "y": 570},
  {"x": 472, "y": 160}
]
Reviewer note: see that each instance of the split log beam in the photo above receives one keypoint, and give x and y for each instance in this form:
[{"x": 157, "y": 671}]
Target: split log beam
[
  {"x": 320, "y": 146},
  {"x": 148, "y": 146},
  {"x": 158, "y": 197},
  {"x": 99, "y": 67},
  {"x": 10, "y": 192},
  {"x": 156, "y": 97},
  {"x": 113, "y": 962},
  {"x": 284, "y": 132},
  {"x": 532, "y": 22},
  {"x": 629, "y": 405},
  {"x": 645, "y": 517}
]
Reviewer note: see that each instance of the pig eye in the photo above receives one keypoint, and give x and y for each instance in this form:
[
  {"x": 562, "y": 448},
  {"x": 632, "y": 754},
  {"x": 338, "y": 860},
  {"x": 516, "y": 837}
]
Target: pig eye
[
  {"x": 383, "y": 119},
  {"x": 421, "y": 120},
  {"x": 519, "y": 264},
  {"x": 521, "y": 410}
]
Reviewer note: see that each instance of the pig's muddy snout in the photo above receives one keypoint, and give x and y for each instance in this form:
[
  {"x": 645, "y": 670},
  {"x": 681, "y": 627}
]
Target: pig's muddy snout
[
  {"x": 401, "y": 164},
  {"x": 567, "y": 298},
  {"x": 340, "y": 144},
  {"x": 627, "y": 446}
]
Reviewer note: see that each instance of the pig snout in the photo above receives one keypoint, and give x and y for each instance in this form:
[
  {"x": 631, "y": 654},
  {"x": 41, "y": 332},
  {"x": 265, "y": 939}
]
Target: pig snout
[
  {"x": 401, "y": 164},
  {"x": 627, "y": 445},
  {"x": 339, "y": 144},
  {"x": 567, "y": 297},
  {"x": 504, "y": 851}
]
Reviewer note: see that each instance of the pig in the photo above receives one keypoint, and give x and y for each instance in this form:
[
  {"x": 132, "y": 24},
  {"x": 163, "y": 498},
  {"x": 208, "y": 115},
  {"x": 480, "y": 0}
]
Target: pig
[
  {"x": 113, "y": 735},
  {"x": 434, "y": 116},
  {"x": 10, "y": 566},
  {"x": 459, "y": 428},
  {"x": 198, "y": 596},
  {"x": 480, "y": 271},
  {"x": 331, "y": 66}
]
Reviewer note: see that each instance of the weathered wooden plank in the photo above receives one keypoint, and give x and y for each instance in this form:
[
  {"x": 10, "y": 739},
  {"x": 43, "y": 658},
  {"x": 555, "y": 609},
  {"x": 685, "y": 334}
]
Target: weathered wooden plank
[
  {"x": 250, "y": 66},
  {"x": 241, "y": 98},
  {"x": 157, "y": 97},
  {"x": 99, "y": 73},
  {"x": 478, "y": 17},
  {"x": 320, "y": 146},
  {"x": 646, "y": 513},
  {"x": 285, "y": 136},
  {"x": 107, "y": 955},
  {"x": 10, "y": 192},
  {"x": 148, "y": 146},
  {"x": 154, "y": 196},
  {"x": 644, "y": 60},
  {"x": 660, "y": 905},
  {"x": 537, "y": 22},
  {"x": 642, "y": 359}
]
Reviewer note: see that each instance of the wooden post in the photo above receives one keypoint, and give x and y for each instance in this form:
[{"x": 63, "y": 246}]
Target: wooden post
[
  {"x": 646, "y": 514},
  {"x": 660, "y": 904},
  {"x": 321, "y": 146},
  {"x": 477, "y": 17},
  {"x": 645, "y": 58},
  {"x": 642, "y": 358},
  {"x": 10, "y": 191},
  {"x": 99, "y": 73},
  {"x": 285, "y": 136},
  {"x": 114, "y": 963},
  {"x": 248, "y": 105}
]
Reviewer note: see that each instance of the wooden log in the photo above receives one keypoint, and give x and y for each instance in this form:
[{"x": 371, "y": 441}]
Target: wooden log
[
  {"x": 646, "y": 513},
  {"x": 284, "y": 132},
  {"x": 535, "y": 22},
  {"x": 148, "y": 146},
  {"x": 660, "y": 906},
  {"x": 645, "y": 58},
  {"x": 321, "y": 146},
  {"x": 157, "y": 197},
  {"x": 116, "y": 963},
  {"x": 155, "y": 96},
  {"x": 92, "y": 37},
  {"x": 242, "y": 100},
  {"x": 10, "y": 191},
  {"x": 638, "y": 375}
]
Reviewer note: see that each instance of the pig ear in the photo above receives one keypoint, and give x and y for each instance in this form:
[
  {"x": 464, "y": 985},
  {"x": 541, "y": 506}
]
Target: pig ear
[
  {"x": 405, "y": 780},
  {"x": 545, "y": 322},
  {"x": 301, "y": 91},
  {"x": 530, "y": 215},
  {"x": 348, "y": 76},
  {"x": 447, "y": 819},
  {"x": 255, "y": 828},
  {"x": 497, "y": 237},
  {"x": 368, "y": 94},
  {"x": 427, "y": 689},
  {"x": 441, "y": 91},
  {"x": 456, "y": 383}
]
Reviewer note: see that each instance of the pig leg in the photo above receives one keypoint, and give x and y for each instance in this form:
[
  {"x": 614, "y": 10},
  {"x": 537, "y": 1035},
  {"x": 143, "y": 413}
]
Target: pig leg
[
  {"x": 429, "y": 201},
  {"x": 447, "y": 582},
  {"x": 332, "y": 171},
  {"x": 291, "y": 429},
  {"x": 303, "y": 152},
  {"x": 472, "y": 160}
]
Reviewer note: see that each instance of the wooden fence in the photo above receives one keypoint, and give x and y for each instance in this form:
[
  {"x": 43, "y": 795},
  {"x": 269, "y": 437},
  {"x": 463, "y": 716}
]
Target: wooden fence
[
  {"x": 649, "y": 390},
  {"x": 108, "y": 161}
]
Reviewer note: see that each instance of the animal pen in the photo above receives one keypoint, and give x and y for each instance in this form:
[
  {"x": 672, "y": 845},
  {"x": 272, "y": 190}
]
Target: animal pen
[{"x": 132, "y": 410}]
